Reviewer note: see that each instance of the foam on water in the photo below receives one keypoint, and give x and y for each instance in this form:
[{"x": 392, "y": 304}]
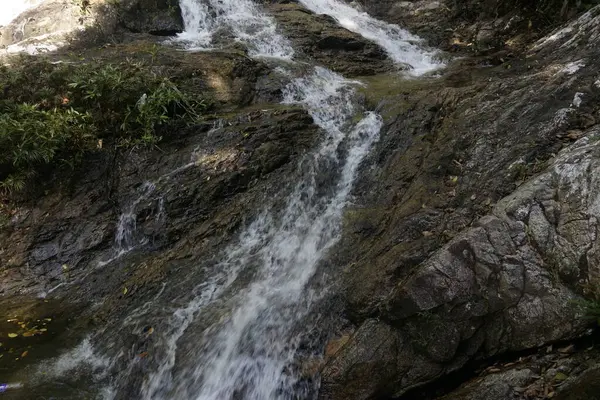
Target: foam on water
[
  {"x": 203, "y": 21},
  {"x": 238, "y": 333},
  {"x": 402, "y": 46}
]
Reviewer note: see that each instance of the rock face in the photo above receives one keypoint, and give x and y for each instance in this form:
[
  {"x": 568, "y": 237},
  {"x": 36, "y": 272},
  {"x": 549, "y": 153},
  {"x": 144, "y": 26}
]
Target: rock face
[
  {"x": 320, "y": 38},
  {"x": 50, "y": 18},
  {"x": 507, "y": 281},
  {"x": 157, "y": 17},
  {"x": 53, "y": 23},
  {"x": 561, "y": 373},
  {"x": 227, "y": 155},
  {"x": 474, "y": 228}
]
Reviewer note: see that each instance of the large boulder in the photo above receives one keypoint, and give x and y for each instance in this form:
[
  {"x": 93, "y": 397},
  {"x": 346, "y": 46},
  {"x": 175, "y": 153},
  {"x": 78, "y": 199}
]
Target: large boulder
[{"x": 49, "y": 19}]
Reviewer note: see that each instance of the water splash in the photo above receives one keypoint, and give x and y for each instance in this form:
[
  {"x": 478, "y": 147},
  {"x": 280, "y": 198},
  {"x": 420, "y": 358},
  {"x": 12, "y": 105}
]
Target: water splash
[
  {"x": 242, "y": 17},
  {"x": 248, "y": 350},
  {"x": 238, "y": 334},
  {"x": 76, "y": 361},
  {"x": 402, "y": 46}
]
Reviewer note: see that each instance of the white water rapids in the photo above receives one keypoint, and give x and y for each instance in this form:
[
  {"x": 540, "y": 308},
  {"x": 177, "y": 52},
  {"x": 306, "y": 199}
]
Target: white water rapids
[
  {"x": 400, "y": 44},
  {"x": 250, "y": 349}
]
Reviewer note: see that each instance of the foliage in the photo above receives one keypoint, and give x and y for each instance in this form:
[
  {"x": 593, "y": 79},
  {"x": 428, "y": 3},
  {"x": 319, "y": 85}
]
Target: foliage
[
  {"x": 592, "y": 311},
  {"x": 56, "y": 113},
  {"x": 30, "y": 137}
]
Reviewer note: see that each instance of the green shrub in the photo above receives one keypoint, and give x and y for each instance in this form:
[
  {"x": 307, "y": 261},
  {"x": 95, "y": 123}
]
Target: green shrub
[
  {"x": 31, "y": 138},
  {"x": 56, "y": 113}
]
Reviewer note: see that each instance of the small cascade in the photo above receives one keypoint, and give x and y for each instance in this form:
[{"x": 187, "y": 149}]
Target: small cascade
[
  {"x": 127, "y": 237},
  {"x": 402, "y": 46},
  {"x": 245, "y": 21}
]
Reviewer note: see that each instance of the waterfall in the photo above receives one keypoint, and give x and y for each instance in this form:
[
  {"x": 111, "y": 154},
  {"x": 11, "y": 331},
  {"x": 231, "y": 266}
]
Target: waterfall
[
  {"x": 238, "y": 333},
  {"x": 400, "y": 44},
  {"x": 245, "y": 20},
  {"x": 247, "y": 352}
]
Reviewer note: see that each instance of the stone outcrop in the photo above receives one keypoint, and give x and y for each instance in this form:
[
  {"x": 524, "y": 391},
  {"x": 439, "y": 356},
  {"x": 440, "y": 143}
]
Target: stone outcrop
[
  {"x": 504, "y": 282},
  {"x": 319, "y": 38},
  {"x": 157, "y": 17},
  {"x": 472, "y": 234},
  {"x": 55, "y": 23}
]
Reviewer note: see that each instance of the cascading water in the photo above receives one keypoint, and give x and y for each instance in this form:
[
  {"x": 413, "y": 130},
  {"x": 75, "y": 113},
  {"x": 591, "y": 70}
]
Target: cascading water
[
  {"x": 238, "y": 334},
  {"x": 399, "y": 43},
  {"x": 248, "y": 351},
  {"x": 246, "y": 22}
]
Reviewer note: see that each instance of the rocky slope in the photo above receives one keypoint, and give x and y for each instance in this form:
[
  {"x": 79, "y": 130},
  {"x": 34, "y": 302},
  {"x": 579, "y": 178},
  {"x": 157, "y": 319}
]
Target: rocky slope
[
  {"x": 471, "y": 237},
  {"x": 496, "y": 144}
]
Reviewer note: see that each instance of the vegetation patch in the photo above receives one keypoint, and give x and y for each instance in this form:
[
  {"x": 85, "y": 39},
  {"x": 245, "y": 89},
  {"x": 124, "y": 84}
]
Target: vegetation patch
[{"x": 54, "y": 113}]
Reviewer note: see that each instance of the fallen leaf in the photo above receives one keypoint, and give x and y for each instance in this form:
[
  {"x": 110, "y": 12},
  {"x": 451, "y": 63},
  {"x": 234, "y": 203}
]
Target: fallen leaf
[
  {"x": 560, "y": 377},
  {"x": 48, "y": 319},
  {"x": 28, "y": 334},
  {"x": 125, "y": 291},
  {"x": 13, "y": 335},
  {"x": 24, "y": 353},
  {"x": 43, "y": 330}
]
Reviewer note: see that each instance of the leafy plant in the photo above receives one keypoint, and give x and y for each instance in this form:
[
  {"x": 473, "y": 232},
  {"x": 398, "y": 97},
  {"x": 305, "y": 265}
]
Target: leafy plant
[
  {"x": 31, "y": 137},
  {"x": 56, "y": 113}
]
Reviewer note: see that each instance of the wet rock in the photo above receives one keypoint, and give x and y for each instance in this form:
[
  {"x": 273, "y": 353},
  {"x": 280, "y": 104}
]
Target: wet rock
[
  {"x": 499, "y": 386},
  {"x": 320, "y": 38},
  {"x": 542, "y": 376},
  {"x": 157, "y": 17},
  {"x": 499, "y": 283},
  {"x": 75, "y": 228}
]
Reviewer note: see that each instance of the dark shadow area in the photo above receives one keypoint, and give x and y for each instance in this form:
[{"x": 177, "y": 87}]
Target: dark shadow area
[{"x": 538, "y": 360}]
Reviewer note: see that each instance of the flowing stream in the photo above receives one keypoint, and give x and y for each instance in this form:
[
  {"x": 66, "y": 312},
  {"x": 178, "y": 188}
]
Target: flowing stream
[
  {"x": 251, "y": 348},
  {"x": 401, "y": 45}
]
